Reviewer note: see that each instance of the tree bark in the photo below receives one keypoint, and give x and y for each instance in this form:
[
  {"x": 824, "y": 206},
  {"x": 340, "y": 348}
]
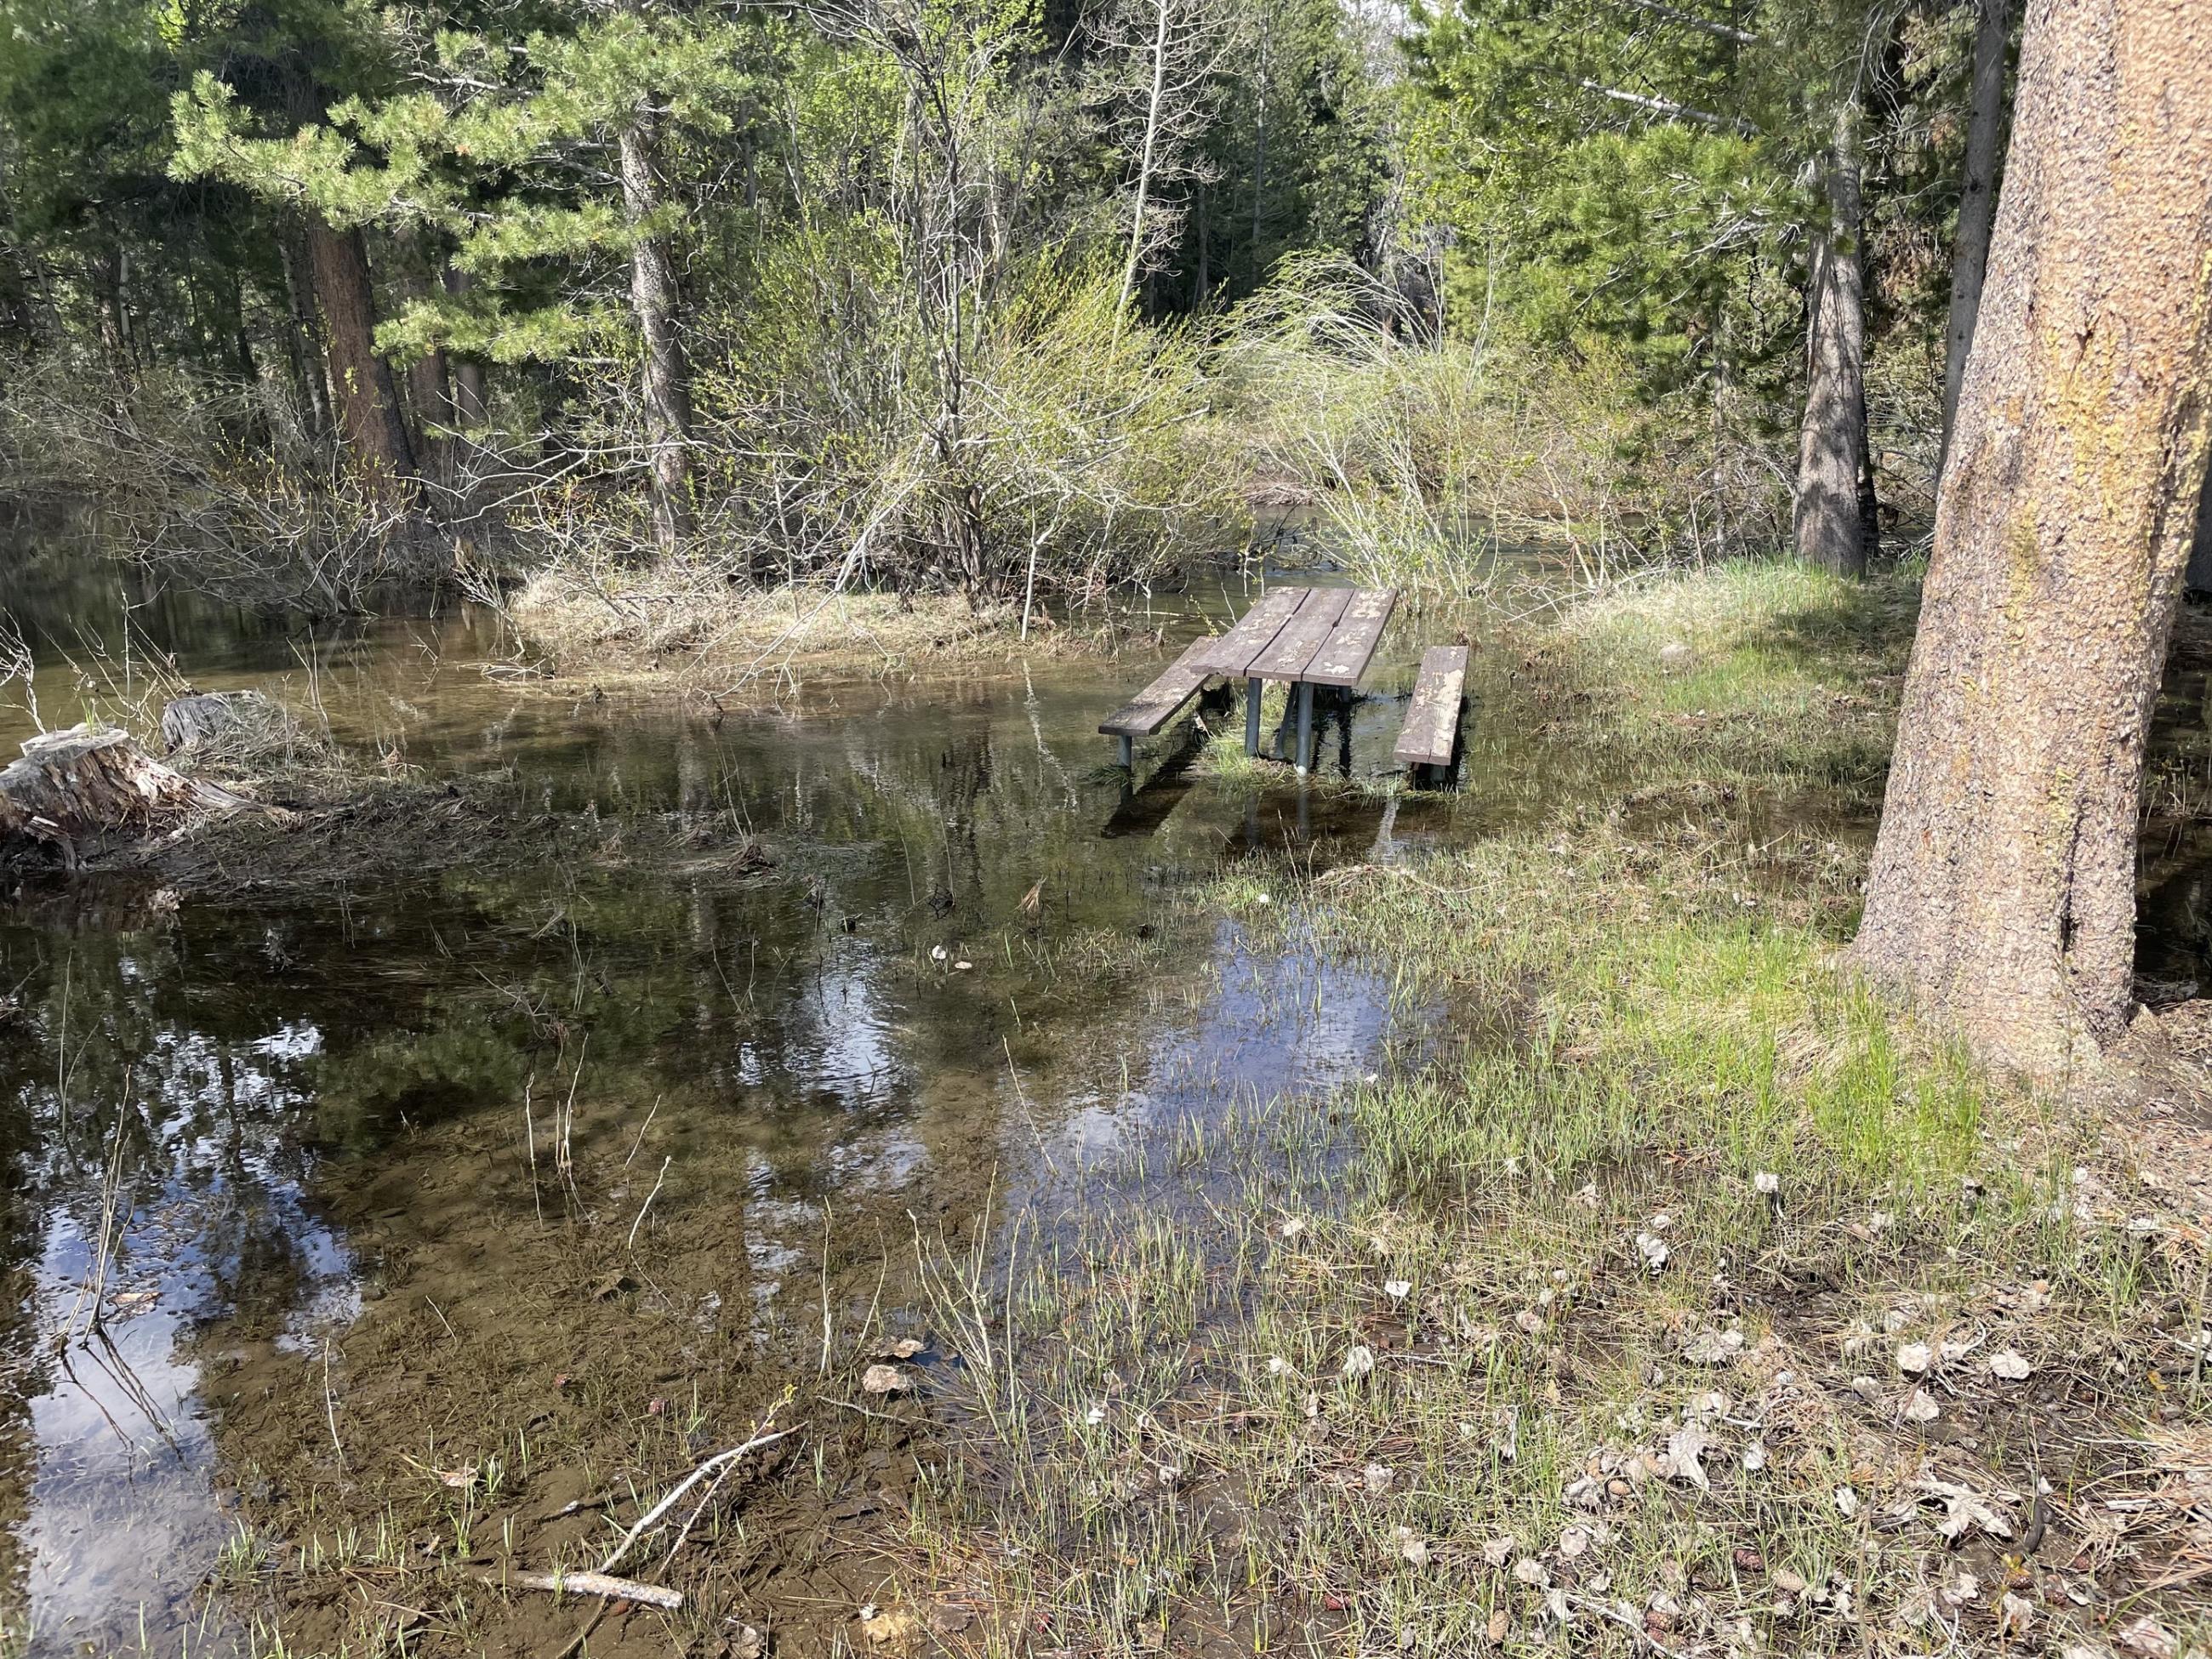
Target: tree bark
[
  {"x": 76, "y": 790},
  {"x": 654, "y": 300},
  {"x": 468, "y": 385},
  {"x": 305, "y": 343},
  {"x": 1155, "y": 108},
  {"x": 1833, "y": 515},
  {"x": 361, "y": 387},
  {"x": 2002, "y": 887},
  {"x": 1977, "y": 201}
]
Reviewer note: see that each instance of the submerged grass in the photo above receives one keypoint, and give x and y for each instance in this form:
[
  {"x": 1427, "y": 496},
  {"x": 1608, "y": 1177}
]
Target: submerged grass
[{"x": 1685, "y": 1299}]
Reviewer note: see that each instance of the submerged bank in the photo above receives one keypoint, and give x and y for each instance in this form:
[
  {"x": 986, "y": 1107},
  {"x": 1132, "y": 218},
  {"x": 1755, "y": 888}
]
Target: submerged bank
[
  {"x": 1289, "y": 1217},
  {"x": 689, "y": 628}
]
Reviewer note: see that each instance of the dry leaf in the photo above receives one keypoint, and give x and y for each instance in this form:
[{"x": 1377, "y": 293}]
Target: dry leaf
[
  {"x": 890, "y": 1629},
  {"x": 2009, "y": 1367},
  {"x": 1963, "y": 1509},
  {"x": 884, "y": 1379},
  {"x": 1712, "y": 1347},
  {"x": 1686, "y": 1447}
]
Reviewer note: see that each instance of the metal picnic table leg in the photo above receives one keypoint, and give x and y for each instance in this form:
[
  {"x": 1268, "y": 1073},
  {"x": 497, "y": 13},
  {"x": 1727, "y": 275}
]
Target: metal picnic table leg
[
  {"x": 1251, "y": 717},
  {"x": 1129, "y": 753},
  {"x": 1305, "y": 725}
]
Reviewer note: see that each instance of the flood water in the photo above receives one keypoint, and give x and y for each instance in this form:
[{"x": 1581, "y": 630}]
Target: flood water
[
  {"x": 249, "y": 1120},
  {"x": 303, "y": 1139}
]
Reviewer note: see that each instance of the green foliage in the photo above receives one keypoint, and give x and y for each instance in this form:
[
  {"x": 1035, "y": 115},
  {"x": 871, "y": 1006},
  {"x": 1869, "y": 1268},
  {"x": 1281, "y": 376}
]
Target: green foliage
[
  {"x": 487, "y": 162},
  {"x": 886, "y": 222}
]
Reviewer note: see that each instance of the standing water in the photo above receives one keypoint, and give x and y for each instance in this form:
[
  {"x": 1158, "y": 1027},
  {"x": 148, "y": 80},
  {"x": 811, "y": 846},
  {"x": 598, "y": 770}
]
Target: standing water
[
  {"x": 541, "y": 1151},
  {"x": 295, "y": 1168}
]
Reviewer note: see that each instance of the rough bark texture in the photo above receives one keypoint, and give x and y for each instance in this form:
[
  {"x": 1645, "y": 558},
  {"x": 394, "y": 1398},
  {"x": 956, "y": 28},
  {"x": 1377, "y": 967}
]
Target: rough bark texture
[
  {"x": 1833, "y": 519},
  {"x": 2003, "y": 889},
  {"x": 1977, "y": 199},
  {"x": 468, "y": 375},
  {"x": 306, "y": 342},
  {"x": 91, "y": 784},
  {"x": 653, "y": 298},
  {"x": 361, "y": 387}
]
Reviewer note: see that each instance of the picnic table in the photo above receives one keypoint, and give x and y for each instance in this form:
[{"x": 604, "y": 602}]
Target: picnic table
[{"x": 1304, "y": 636}]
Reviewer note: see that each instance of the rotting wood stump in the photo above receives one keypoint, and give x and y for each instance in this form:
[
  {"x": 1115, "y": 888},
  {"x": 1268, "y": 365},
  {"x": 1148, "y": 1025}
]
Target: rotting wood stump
[{"x": 89, "y": 785}]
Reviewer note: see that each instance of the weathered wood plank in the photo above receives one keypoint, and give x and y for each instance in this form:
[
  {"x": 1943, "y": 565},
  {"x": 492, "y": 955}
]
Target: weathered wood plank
[
  {"x": 1432, "y": 726},
  {"x": 1156, "y": 705},
  {"x": 1253, "y": 632},
  {"x": 1302, "y": 635},
  {"x": 1344, "y": 656}
]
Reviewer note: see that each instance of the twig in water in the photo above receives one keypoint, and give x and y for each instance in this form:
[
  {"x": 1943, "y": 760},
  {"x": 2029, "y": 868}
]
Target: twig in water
[
  {"x": 330, "y": 1407},
  {"x": 649, "y": 1197},
  {"x": 720, "y": 1460},
  {"x": 1036, "y": 1133}
]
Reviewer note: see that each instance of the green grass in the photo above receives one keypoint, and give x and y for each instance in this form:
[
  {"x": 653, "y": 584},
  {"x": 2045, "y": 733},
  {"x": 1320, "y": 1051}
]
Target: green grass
[{"x": 1663, "y": 1179}]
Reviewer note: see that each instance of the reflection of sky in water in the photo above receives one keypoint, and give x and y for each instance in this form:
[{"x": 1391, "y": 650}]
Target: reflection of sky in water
[
  {"x": 121, "y": 1514},
  {"x": 281, "y": 1046},
  {"x": 1279, "y": 1024},
  {"x": 125, "y": 1521}
]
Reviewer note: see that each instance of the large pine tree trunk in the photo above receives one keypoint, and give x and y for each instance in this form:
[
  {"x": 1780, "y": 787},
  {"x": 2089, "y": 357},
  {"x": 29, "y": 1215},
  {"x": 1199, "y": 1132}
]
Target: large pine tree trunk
[
  {"x": 1977, "y": 199},
  {"x": 1833, "y": 517},
  {"x": 654, "y": 299},
  {"x": 430, "y": 392},
  {"x": 361, "y": 387},
  {"x": 305, "y": 339},
  {"x": 468, "y": 375},
  {"x": 2003, "y": 890}
]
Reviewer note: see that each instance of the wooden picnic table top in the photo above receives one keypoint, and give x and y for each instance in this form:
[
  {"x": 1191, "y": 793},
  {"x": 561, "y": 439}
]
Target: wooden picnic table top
[{"x": 1321, "y": 635}]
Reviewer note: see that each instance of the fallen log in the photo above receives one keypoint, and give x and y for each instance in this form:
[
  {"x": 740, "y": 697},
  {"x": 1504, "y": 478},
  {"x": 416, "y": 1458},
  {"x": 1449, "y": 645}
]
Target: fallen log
[{"x": 76, "y": 789}]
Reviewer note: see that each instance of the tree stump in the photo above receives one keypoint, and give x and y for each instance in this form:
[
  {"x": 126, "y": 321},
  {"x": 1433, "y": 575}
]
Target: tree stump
[
  {"x": 92, "y": 784},
  {"x": 210, "y": 717}
]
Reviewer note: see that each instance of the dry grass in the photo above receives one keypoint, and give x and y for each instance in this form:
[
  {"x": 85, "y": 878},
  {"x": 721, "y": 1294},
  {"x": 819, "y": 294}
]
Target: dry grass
[{"x": 689, "y": 623}]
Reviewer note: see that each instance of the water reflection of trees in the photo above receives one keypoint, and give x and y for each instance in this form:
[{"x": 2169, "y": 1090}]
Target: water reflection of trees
[{"x": 310, "y": 1091}]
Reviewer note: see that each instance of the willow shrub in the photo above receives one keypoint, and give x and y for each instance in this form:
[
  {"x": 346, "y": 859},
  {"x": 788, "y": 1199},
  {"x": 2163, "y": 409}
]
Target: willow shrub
[
  {"x": 1016, "y": 440},
  {"x": 1422, "y": 457}
]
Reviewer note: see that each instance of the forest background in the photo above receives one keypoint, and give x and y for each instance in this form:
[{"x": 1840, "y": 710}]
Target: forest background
[{"x": 1021, "y": 302}]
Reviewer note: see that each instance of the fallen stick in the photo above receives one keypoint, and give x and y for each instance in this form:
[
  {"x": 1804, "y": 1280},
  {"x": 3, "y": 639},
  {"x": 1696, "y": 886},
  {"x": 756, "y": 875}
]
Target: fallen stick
[
  {"x": 720, "y": 1460},
  {"x": 592, "y": 1584}
]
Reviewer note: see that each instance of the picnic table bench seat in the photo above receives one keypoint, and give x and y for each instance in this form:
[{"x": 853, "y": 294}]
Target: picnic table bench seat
[{"x": 1431, "y": 729}]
